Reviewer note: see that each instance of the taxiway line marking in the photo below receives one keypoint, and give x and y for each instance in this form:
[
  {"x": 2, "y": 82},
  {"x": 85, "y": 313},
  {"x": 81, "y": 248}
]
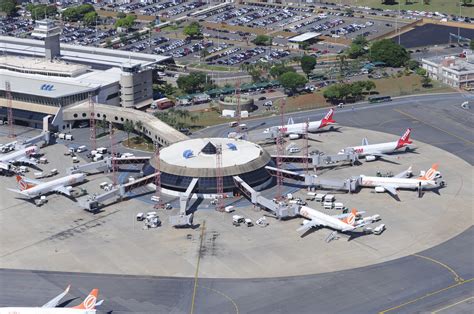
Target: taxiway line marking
[
  {"x": 225, "y": 296},
  {"x": 450, "y": 306},
  {"x": 457, "y": 278},
  {"x": 460, "y": 283},
  {"x": 197, "y": 267},
  {"x": 434, "y": 126}
]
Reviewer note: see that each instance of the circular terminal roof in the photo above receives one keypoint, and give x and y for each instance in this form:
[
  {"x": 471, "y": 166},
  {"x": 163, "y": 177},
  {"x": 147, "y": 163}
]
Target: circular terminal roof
[{"x": 198, "y": 158}]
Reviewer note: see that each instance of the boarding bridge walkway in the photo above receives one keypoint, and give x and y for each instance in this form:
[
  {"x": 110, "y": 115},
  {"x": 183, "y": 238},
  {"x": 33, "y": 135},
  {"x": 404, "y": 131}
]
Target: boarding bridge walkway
[
  {"x": 321, "y": 160},
  {"x": 183, "y": 220},
  {"x": 107, "y": 164},
  {"x": 120, "y": 191},
  {"x": 281, "y": 210},
  {"x": 349, "y": 185}
]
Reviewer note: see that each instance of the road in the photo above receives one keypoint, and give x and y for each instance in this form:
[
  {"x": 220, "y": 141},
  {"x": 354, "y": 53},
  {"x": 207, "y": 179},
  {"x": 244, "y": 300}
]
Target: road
[{"x": 439, "y": 279}]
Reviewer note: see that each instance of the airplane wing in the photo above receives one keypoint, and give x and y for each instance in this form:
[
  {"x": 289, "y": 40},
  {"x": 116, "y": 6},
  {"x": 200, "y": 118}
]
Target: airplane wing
[
  {"x": 381, "y": 155},
  {"x": 313, "y": 223},
  {"x": 403, "y": 174},
  {"x": 62, "y": 190},
  {"x": 365, "y": 141},
  {"x": 16, "y": 191},
  {"x": 54, "y": 302},
  {"x": 341, "y": 216},
  {"x": 33, "y": 181},
  {"x": 392, "y": 189}
]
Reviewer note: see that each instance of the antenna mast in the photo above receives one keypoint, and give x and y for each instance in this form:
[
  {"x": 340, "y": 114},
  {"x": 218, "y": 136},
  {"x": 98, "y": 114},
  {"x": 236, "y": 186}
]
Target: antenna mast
[
  {"x": 280, "y": 151},
  {"x": 219, "y": 179},
  {"x": 92, "y": 122},
  {"x": 11, "y": 127},
  {"x": 112, "y": 151},
  {"x": 158, "y": 177}
]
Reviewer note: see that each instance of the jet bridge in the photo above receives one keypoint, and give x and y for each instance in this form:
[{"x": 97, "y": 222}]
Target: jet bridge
[
  {"x": 322, "y": 160},
  {"x": 182, "y": 219},
  {"x": 120, "y": 191},
  {"x": 350, "y": 185},
  {"x": 281, "y": 210},
  {"x": 107, "y": 164}
]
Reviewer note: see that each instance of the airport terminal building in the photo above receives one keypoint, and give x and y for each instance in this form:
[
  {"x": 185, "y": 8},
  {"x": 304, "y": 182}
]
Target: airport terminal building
[{"x": 46, "y": 78}]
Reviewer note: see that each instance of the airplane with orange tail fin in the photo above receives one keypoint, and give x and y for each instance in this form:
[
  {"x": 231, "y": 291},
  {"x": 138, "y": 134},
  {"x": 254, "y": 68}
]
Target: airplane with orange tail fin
[
  {"x": 86, "y": 307},
  {"x": 31, "y": 188},
  {"x": 432, "y": 178},
  {"x": 342, "y": 223}
]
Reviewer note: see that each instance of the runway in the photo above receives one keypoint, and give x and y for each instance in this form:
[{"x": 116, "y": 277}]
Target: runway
[{"x": 438, "y": 279}]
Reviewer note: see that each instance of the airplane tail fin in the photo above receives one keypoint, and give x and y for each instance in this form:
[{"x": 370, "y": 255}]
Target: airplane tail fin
[
  {"x": 22, "y": 184},
  {"x": 404, "y": 139},
  {"x": 430, "y": 173},
  {"x": 90, "y": 301},
  {"x": 350, "y": 220},
  {"x": 328, "y": 118}
]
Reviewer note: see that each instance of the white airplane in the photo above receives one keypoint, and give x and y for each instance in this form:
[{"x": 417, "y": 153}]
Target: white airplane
[
  {"x": 19, "y": 156},
  {"x": 428, "y": 179},
  {"x": 86, "y": 307},
  {"x": 33, "y": 188},
  {"x": 296, "y": 130},
  {"x": 342, "y": 223},
  {"x": 373, "y": 151}
]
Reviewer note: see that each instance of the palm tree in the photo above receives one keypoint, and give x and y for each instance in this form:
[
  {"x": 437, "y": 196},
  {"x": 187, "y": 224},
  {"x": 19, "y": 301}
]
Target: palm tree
[
  {"x": 128, "y": 127},
  {"x": 139, "y": 126}
]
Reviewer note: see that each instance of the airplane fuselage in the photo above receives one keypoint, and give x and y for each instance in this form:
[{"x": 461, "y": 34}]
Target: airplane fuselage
[
  {"x": 381, "y": 148},
  {"x": 17, "y": 155},
  {"x": 40, "y": 310},
  {"x": 402, "y": 183},
  {"x": 48, "y": 187},
  {"x": 329, "y": 221}
]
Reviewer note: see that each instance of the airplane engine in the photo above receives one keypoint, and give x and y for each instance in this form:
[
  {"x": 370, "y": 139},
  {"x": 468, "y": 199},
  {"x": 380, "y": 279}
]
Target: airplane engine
[
  {"x": 379, "y": 189},
  {"x": 305, "y": 222},
  {"x": 293, "y": 136},
  {"x": 370, "y": 158}
]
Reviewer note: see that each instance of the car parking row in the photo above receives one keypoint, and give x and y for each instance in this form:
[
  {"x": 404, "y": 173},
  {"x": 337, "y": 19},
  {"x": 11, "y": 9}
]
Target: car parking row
[
  {"x": 251, "y": 56},
  {"x": 15, "y": 26}
]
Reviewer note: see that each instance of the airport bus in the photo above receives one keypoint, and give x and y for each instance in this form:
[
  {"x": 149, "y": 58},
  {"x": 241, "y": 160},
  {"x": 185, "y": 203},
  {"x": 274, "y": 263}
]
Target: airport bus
[{"x": 373, "y": 99}]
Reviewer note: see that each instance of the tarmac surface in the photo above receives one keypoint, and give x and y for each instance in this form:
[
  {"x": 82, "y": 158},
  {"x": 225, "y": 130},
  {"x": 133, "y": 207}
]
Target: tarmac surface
[{"x": 438, "y": 279}]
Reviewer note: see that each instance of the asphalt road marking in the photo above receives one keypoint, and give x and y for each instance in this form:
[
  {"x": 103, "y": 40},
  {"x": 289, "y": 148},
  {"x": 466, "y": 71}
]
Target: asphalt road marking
[
  {"x": 457, "y": 278},
  {"x": 225, "y": 296},
  {"x": 197, "y": 267},
  {"x": 460, "y": 283},
  {"x": 450, "y": 306},
  {"x": 434, "y": 126}
]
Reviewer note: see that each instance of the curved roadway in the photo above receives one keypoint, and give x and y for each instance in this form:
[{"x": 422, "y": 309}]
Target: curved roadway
[{"x": 439, "y": 279}]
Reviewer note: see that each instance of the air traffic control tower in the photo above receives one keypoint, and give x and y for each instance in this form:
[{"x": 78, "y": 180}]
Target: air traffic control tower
[{"x": 47, "y": 30}]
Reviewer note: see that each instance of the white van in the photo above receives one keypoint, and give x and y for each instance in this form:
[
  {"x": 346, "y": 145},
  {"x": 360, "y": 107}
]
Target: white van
[
  {"x": 233, "y": 124},
  {"x": 379, "y": 229},
  {"x": 81, "y": 148},
  {"x": 68, "y": 137},
  {"x": 320, "y": 197},
  {"x": 102, "y": 150},
  {"x": 293, "y": 150},
  {"x": 61, "y": 136},
  {"x": 329, "y": 198},
  {"x": 103, "y": 185},
  {"x": 98, "y": 157},
  {"x": 243, "y": 127},
  {"x": 229, "y": 209},
  {"x": 338, "y": 206},
  {"x": 238, "y": 219}
]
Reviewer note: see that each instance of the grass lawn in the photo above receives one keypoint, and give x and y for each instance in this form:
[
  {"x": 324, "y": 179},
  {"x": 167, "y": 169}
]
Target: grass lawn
[
  {"x": 407, "y": 85},
  {"x": 213, "y": 67},
  {"x": 139, "y": 143},
  {"x": 443, "y": 6}
]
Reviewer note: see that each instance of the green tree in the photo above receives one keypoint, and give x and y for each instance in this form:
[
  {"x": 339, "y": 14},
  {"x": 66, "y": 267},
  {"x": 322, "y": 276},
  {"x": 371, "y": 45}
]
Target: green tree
[
  {"x": 389, "y": 2},
  {"x": 427, "y": 2},
  {"x": 262, "y": 40},
  {"x": 139, "y": 127},
  {"x": 466, "y": 2},
  {"x": 389, "y": 52},
  {"x": 292, "y": 80},
  {"x": 308, "y": 63},
  {"x": 194, "y": 82},
  {"x": 357, "y": 47},
  {"x": 39, "y": 11},
  {"x": 193, "y": 30},
  {"x": 128, "y": 127},
  {"x": 9, "y": 7},
  {"x": 471, "y": 44},
  {"x": 77, "y": 13},
  {"x": 425, "y": 81},
  {"x": 421, "y": 72},
  {"x": 104, "y": 124},
  {"x": 280, "y": 68},
  {"x": 121, "y": 15},
  {"x": 90, "y": 18},
  {"x": 370, "y": 85},
  {"x": 412, "y": 64},
  {"x": 126, "y": 22}
]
